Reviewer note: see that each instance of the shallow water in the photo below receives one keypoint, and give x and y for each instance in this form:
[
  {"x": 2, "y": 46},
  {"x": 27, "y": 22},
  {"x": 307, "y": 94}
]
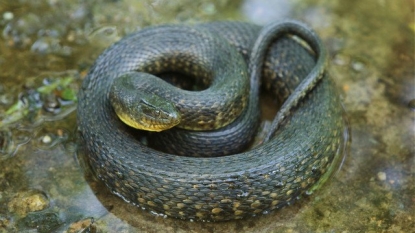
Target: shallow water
[{"x": 48, "y": 46}]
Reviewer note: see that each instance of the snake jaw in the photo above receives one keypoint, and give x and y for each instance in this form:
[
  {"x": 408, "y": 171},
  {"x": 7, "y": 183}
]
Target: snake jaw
[
  {"x": 158, "y": 121},
  {"x": 164, "y": 121},
  {"x": 152, "y": 118}
]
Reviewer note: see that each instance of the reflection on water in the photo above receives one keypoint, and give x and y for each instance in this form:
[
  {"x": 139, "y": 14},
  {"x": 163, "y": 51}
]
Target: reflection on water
[{"x": 42, "y": 186}]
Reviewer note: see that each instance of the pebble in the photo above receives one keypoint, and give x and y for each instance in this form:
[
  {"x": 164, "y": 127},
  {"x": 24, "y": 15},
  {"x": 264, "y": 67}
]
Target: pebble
[
  {"x": 8, "y": 15},
  {"x": 358, "y": 66},
  {"x": 26, "y": 202},
  {"x": 41, "y": 222},
  {"x": 46, "y": 139},
  {"x": 84, "y": 225},
  {"x": 381, "y": 176}
]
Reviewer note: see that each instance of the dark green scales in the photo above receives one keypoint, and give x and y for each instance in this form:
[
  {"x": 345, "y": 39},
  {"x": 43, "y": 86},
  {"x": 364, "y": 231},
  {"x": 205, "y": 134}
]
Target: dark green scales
[{"x": 308, "y": 130}]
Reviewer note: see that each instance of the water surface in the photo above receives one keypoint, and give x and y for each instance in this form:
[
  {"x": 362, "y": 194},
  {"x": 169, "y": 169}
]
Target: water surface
[{"x": 47, "y": 47}]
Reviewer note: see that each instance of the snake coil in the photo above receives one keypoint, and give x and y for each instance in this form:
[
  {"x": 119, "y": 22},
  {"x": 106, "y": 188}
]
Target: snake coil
[{"x": 306, "y": 135}]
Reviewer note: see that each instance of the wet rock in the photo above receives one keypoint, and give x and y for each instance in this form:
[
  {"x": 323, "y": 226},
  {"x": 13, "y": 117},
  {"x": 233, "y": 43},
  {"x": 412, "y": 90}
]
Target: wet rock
[
  {"x": 50, "y": 45},
  {"x": 84, "y": 225},
  {"x": 46, "y": 139},
  {"x": 51, "y": 103},
  {"x": 381, "y": 176},
  {"x": 43, "y": 222},
  {"x": 8, "y": 15},
  {"x": 29, "y": 201},
  {"x": 358, "y": 66}
]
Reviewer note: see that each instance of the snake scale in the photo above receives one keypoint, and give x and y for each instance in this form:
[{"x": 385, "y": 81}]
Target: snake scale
[{"x": 307, "y": 135}]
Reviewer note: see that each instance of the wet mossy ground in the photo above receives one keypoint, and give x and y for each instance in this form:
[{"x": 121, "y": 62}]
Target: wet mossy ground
[{"x": 43, "y": 185}]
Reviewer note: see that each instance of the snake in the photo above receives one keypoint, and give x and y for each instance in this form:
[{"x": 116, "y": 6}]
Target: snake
[{"x": 306, "y": 135}]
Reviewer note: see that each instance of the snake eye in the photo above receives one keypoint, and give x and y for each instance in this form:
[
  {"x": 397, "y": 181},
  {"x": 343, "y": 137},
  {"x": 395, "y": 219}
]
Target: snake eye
[
  {"x": 150, "y": 110},
  {"x": 152, "y": 113}
]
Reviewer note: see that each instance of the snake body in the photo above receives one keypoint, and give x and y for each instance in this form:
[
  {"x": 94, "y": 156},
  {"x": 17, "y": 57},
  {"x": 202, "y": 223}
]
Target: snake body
[{"x": 306, "y": 135}]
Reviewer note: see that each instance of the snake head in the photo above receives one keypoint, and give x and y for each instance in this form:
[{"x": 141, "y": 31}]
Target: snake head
[{"x": 142, "y": 110}]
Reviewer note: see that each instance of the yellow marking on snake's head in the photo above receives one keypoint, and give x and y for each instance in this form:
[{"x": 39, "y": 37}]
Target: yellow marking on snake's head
[{"x": 147, "y": 117}]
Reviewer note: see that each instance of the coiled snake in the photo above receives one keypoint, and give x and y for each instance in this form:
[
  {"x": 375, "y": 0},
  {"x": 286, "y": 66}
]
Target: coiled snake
[{"x": 305, "y": 137}]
